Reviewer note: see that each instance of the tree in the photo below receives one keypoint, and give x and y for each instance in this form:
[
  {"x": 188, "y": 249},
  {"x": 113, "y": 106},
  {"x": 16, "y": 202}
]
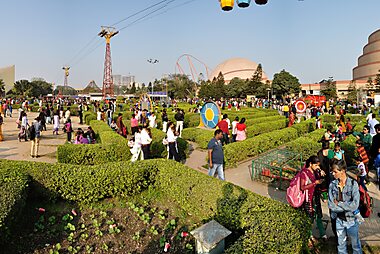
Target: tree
[
  {"x": 2, "y": 88},
  {"x": 65, "y": 90},
  {"x": 235, "y": 89},
  {"x": 21, "y": 88},
  {"x": 370, "y": 86},
  {"x": 180, "y": 86},
  {"x": 377, "y": 82},
  {"x": 219, "y": 87},
  {"x": 352, "y": 95},
  {"x": 329, "y": 88},
  {"x": 254, "y": 86},
  {"x": 285, "y": 83}
]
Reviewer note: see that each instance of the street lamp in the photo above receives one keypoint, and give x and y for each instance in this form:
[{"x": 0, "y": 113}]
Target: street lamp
[{"x": 152, "y": 61}]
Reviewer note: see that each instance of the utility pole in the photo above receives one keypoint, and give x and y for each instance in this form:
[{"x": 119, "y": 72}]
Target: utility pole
[
  {"x": 152, "y": 61},
  {"x": 107, "y": 33}
]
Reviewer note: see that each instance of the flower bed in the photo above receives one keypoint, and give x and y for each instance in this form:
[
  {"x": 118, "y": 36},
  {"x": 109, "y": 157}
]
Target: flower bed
[{"x": 265, "y": 225}]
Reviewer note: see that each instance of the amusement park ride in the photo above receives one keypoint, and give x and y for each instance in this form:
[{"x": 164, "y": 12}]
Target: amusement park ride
[
  {"x": 107, "y": 33},
  {"x": 65, "y": 83},
  {"x": 228, "y": 5}
]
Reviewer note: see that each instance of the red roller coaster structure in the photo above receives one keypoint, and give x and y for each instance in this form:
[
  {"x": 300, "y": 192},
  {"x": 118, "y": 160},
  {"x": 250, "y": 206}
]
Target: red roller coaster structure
[{"x": 195, "y": 75}]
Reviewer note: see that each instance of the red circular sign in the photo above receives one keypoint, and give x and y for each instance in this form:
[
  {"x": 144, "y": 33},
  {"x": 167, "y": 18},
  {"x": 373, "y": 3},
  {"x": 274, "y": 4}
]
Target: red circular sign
[{"x": 300, "y": 106}]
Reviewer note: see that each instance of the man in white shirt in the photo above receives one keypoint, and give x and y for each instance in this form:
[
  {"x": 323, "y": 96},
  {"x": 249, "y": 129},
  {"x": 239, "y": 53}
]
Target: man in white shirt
[
  {"x": 146, "y": 140},
  {"x": 371, "y": 124}
]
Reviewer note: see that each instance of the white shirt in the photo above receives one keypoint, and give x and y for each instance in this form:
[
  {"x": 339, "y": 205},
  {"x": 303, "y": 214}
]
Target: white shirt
[
  {"x": 171, "y": 137},
  {"x": 99, "y": 115},
  {"x": 152, "y": 121},
  {"x": 24, "y": 121},
  {"x": 361, "y": 168},
  {"x": 229, "y": 123},
  {"x": 234, "y": 127},
  {"x": 371, "y": 124},
  {"x": 137, "y": 139},
  {"x": 145, "y": 138}
]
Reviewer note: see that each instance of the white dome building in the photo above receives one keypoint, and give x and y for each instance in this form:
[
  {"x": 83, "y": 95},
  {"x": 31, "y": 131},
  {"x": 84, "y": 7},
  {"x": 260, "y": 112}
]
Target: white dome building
[{"x": 236, "y": 68}]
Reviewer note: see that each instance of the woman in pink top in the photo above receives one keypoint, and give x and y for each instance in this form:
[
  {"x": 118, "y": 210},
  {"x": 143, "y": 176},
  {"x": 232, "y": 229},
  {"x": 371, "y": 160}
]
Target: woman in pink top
[
  {"x": 134, "y": 124},
  {"x": 308, "y": 183},
  {"x": 241, "y": 130}
]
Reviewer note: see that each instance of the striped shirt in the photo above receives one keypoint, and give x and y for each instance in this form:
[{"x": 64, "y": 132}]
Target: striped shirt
[{"x": 363, "y": 154}]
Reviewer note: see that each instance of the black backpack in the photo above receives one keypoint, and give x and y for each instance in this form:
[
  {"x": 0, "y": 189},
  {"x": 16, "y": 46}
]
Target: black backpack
[{"x": 32, "y": 132}]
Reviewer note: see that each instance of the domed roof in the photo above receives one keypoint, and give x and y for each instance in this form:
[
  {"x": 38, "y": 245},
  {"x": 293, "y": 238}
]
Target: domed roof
[{"x": 236, "y": 68}]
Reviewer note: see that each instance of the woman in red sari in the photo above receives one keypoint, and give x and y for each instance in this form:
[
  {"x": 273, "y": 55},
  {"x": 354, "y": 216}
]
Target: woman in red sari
[{"x": 292, "y": 118}]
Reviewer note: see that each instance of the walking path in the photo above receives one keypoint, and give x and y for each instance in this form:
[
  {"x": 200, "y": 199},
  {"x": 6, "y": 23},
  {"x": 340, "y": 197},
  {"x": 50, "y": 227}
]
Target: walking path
[
  {"x": 240, "y": 175},
  {"x": 12, "y": 149}
]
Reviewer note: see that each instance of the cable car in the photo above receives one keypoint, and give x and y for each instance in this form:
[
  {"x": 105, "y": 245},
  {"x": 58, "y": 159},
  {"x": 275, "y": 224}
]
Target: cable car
[
  {"x": 243, "y": 3},
  {"x": 261, "y": 2},
  {"x": 227, "y": 5}
]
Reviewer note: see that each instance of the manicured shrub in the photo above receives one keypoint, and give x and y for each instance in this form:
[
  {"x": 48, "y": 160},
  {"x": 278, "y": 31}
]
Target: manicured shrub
[
  {"x": 242, "y": 150},
  {"x": 257, "y": 129},
  {"x": 266, "y": 225},
  {"x": 13, "y": 193},
  {"x": 269, "y": 226}
]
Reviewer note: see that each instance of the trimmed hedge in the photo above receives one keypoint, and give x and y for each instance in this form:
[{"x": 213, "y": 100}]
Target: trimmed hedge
[
  {"x": 307, "y": 145},
  {"x": 112, "y": 148},
  {"x": 239, "y": 151},
  {"x": 265, "y": 127},
  {"x": 267, "y": 226},
  {"x": 14, "y": 186}
]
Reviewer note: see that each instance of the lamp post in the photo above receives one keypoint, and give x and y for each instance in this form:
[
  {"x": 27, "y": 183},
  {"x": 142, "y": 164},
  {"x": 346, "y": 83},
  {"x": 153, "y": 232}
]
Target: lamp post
[{"x": 153, "y": 62}]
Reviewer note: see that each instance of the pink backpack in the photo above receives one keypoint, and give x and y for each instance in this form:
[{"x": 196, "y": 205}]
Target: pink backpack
[{"x": 294, "y": 195}]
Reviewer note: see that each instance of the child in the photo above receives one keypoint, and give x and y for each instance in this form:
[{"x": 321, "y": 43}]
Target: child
[
  {"x": 338, "y": 152},
  {"x": 362, "y": 172},
  {"x": 362, "y": 153},
  {"x": 113, "y": 125}
]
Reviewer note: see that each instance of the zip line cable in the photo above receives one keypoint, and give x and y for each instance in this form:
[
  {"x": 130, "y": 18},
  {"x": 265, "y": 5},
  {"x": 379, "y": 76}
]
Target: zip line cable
[
  {"x": 169, "y": 9},
  {"x": 137, "y": 13},
  {"x": 147, "y": 15},
  {"x": 164, "y": 3},
  {"x": 89, "y": 44}
]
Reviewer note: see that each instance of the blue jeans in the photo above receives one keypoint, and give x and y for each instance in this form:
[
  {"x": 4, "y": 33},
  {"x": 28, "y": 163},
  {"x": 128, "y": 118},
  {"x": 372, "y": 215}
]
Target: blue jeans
[
  {"x": 218, "y": 168},
  {"x": 351, "y": 229}
]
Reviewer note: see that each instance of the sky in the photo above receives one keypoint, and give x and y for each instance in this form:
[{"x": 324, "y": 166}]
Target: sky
[{"x": 311, "y": 39}]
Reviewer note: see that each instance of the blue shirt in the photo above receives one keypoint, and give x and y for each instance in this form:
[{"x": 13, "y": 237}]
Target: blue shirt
[
  {"x": 350, "y": 197},
  {"x": 217, "y": 151}
]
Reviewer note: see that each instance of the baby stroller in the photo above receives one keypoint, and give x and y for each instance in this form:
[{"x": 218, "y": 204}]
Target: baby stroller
[{"x": 23, "y": 134}]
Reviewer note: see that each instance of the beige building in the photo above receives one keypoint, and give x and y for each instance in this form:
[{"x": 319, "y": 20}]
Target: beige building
[
  {"x": 369, "y": 61},
  {"x": 341, "y": 87},
  {"x": 7, "y": 74}
]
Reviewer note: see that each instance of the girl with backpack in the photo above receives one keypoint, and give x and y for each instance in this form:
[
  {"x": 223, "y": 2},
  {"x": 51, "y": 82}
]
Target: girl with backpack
[
  {"x": 311, "y": 176},
  {"x": 344, "y": 199}
]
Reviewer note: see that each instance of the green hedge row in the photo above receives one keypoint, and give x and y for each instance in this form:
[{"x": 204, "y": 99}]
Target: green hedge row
[
  {"x": 326, "y": 118},
  {"x": 112, "y": 147},
  {"x": 307, "y": 145},
  {"x": 267, "y": 119},
  {"x": 265, "y": 127},
  {"x": 267, "y": 226},
  {"x": 14, "y": 186},
  {"x": 239, "y": 151}
]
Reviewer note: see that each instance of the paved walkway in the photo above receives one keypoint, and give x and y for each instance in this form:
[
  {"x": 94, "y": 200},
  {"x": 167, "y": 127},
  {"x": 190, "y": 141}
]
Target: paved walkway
[
  {"x": 12, "y": 149},
  {"x": 369, "y": 230}
]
